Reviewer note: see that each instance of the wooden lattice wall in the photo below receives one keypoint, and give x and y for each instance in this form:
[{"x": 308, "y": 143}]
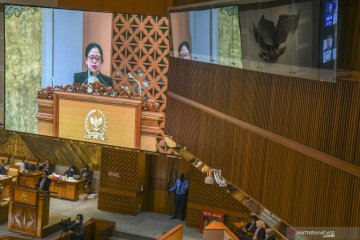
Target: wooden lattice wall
[
  {"x": 211, "y": 197},
  {"x": 118, "y": 181},
  {"x": 140, "y": 44}
]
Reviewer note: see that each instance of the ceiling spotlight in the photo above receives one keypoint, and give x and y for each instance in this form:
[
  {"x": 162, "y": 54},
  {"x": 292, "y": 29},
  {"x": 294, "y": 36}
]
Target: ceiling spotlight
[
  {"x": 162, "y": 143},
  {"x": 215, "y": 176}
]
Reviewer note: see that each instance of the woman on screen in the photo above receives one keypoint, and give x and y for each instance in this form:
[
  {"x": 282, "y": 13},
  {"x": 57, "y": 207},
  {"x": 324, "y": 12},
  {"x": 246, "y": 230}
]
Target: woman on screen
[
  {"x": 93, "y": 59},
  {"x": 184, "y": 50}
]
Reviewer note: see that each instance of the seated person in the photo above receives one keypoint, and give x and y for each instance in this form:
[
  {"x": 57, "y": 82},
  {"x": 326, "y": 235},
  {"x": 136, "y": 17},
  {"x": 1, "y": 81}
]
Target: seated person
[
  {"x": 78, "y": 228},
  {"x": 269, "y": 234},
  {"x": 184, "y": 50},
  {"x": 87, "y": 174},
  {"x": 47, "y": 167},
  {"x": 29, "y": 167},
  {"x": 2, "y": 169},
  {"x": 93, "y": 59},
  {"x": 71, "y": 171},
  {"x": 43, "y": 182},
  {"x": 260, "y": 233},
  {"x": 248, "y": 230}
]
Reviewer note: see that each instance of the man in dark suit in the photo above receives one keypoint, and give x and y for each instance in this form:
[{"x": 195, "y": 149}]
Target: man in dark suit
[
  {"x": 2, "y": 169},
  {"x": 47, "y": 167},
  {"x": 249, "y": 229},
  {"x": 43, "y": 182},
  {"x": 93, "y": 59}
]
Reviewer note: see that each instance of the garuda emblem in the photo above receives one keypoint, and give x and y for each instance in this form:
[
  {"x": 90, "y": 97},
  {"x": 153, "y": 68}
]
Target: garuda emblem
[
  {"x": 270, "y": 37},
  {"x": 95, "y": 125}
]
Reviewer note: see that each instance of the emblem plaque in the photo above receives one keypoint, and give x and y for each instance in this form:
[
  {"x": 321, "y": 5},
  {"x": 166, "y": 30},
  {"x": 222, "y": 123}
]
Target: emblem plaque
[{"x": 95, "y": 125}]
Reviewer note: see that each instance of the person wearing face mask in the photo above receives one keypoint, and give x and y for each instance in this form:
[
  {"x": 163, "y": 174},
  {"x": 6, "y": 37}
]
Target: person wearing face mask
[
  {"x": 78, "y": 228},
  {"x": 47, "y": 167},
  {"x": 71, "y": 171},
  {"x": 180, "y": 188},
  {"x": 93, "y": 59}
]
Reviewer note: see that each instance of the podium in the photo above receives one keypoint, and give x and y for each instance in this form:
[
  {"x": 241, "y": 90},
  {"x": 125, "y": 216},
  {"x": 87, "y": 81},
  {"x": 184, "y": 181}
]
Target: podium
[
  {"x": 123, "y": 123},
  {"x": 28, "y": 211}
]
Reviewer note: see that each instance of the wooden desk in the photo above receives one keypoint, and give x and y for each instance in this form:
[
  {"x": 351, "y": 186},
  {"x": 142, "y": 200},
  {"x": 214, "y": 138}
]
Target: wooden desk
[
  {"x": 217, "y": 230},
  {"x": 29, "y": 179},
  {"x": 6, "y": 181},
  {"x": 67, "y": 190}
]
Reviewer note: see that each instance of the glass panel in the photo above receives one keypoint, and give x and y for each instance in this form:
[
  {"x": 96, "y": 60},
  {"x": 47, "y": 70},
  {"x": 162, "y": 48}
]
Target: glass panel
[
  {"x": 278, "y": 25},
  {"x": 200, "y": 35},
  {"x": 292, "y": 38},
  {"x": 228, "y": 51},
  {"x": 249, "y": 17},
  {"x": 181, "y": 38},
  {"x": 316, "y": 41}
]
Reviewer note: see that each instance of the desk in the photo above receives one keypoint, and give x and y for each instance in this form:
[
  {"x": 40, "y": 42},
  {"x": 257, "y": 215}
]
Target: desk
[
  {"x": 66, "y": 189},
  {"x": 6, "y": 181},
  {"x": 29, "y": 179}
]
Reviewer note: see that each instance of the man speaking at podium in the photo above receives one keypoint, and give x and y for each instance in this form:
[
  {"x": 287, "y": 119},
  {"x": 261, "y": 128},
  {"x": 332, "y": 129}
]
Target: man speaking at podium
[
  {"x": 43, "y": 182},
  {"x": 93, "y": 59}
]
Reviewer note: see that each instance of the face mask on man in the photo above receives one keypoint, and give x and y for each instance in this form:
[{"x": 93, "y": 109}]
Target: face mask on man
[{"x": 77, "y": 221}]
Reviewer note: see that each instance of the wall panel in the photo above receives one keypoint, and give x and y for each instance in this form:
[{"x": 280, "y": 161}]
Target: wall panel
[
  {"x": 321, "y": 115},
  {"x": 119, "y": 167},
  {"x": 204, "y": 110}
]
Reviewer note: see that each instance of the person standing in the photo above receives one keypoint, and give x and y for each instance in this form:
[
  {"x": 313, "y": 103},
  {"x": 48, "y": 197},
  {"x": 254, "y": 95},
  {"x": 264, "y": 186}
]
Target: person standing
[
  {"x": 180, "y": 188},
  {"x": 43, "y": 182}
]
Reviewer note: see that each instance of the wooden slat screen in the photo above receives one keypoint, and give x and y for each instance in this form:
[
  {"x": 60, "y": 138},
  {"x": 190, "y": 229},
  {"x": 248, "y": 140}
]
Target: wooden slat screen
[
  {"x": 321, "y": 115},
  {"x": 324, "y": 116}
]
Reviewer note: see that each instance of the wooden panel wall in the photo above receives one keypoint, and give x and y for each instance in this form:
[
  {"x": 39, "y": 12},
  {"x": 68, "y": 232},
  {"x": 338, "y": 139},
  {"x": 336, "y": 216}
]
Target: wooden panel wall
[
  {"x": 119, "y": 181},
  {"x": 323, "y": 116},
  {"x": 348, "y": 35},
  {"x": 59, "y": 151},
  {"x": 140, "y": 44},
  {"x": 154, "y": 7},
  {"x": 211, "y": 197}
]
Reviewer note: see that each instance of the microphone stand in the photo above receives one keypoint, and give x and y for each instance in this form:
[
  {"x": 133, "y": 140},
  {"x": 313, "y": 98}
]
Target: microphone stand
[{"x": 131, "y": 76}]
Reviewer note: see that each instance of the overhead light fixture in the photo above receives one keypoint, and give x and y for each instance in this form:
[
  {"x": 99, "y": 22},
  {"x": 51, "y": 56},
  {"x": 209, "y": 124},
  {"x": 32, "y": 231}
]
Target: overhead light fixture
[{"x": 215, "y": 176}]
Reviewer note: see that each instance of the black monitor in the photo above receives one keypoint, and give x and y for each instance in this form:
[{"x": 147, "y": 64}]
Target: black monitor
[{"x": 29, "y": 167}]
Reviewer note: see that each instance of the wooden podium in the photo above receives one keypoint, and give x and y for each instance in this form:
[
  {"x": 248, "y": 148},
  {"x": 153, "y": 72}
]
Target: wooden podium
[
  {"x": 28, "y": 211},
  {"x": 68, "y": 114}
]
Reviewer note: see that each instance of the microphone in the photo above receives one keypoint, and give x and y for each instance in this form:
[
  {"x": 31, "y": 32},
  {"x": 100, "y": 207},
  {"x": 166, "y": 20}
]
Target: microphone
[
  {"x": 102, "y": 80},
  {"x": 52, "y": 81},
  {"x": 132, "y": 76},
  {"x": 97, "y": 77}
]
